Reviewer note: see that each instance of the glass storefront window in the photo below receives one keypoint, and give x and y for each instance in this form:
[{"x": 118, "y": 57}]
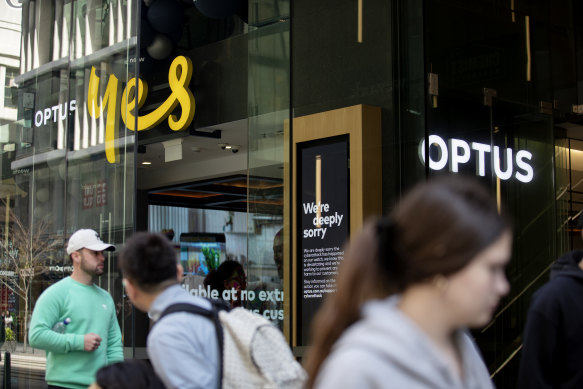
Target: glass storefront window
[
  {"x": 342, "y": 56},
  {"x": 268, "y": 102},
  {"x": 223, "y": 202},
  {"x": 56, "y": 172},
  {"x": 490, "y": 88}
]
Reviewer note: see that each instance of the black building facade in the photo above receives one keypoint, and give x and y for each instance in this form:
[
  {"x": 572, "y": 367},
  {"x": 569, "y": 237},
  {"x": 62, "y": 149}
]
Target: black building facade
[{"x": 177, "y": 116}]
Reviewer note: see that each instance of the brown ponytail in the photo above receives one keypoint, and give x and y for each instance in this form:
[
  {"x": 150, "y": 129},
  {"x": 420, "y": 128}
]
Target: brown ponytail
[{"x": 359, "y": 279}]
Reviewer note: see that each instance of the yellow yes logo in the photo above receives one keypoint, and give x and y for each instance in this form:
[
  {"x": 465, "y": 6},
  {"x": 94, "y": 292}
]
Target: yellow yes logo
[{"x": 179, "y": 76}]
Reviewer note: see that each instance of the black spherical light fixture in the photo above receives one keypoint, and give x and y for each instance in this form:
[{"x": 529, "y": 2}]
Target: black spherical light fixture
[{"x": 165, "y": 15}]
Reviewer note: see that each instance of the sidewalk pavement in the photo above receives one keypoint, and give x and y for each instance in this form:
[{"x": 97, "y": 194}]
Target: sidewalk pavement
[
  {"x": 27, "y": 368},
  {"x": 31, "y": 358}
]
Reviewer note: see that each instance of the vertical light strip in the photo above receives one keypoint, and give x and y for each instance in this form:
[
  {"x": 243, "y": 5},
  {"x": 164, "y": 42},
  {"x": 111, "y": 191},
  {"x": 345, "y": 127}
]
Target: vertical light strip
[
  {"x": 56, "y": 41},
  {"x": 7, "y": 221},
  {"x": 32, "y": 37},
  {"x": 60, "y": 135},
  {"x": 2, "y": 84},
  {"x": 77, "y": 131},
  {"x": 23, "y": 40},
  {"x": 513, "y": 13},
  {"x": 35, "y": 43},
  {"x": 57, "y": 30},
  {"x": 101, "y": 130},
  {"x": 129, "y": 19},
  {"x": 88, "y": 33},
  {"x": 359, "y": 37},
  {"x": 318, "y": 188},
  {"x": 101, "y": 234},
  {"x": 85, "y": 129},
  {"x": 93, "y": 129},
  {"x": 64, "y": 73},
  {"x": 498, "y": 195},
  {"x": 65, "y": 37},
  {"x": 25, "y": 34},
  {"x": 78, "y": 39},
  {"x": 528, "y": 57},
  {"x": 111, "y": 24},
  {"x": 109, "y": 237},
  {"x": 120, "y": 22},
  {"x": 35, "y": 52}
]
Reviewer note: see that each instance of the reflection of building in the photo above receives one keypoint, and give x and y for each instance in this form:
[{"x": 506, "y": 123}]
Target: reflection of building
[
  {"x": 6, "y": 299},
  {"x": 10, "y": 18},
  {"x": 488, "y": 74}
]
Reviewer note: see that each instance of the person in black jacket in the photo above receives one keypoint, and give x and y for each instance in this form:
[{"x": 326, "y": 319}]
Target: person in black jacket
[
  {"x": 552, "y": 350},
  {"x": 129, "y": 374}
]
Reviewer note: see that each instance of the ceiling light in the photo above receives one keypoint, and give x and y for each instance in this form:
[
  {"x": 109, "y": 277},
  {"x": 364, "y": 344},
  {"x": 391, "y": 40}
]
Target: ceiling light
[{"x": 146, "y": 163}]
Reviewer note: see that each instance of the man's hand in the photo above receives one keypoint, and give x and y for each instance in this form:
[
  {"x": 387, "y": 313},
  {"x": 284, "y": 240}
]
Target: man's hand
[{"x": 92, "y": 342}]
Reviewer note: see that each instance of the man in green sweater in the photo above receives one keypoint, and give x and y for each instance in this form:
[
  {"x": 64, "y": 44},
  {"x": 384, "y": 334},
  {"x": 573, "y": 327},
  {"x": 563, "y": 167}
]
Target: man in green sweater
[{"x": 92, "y": 339}]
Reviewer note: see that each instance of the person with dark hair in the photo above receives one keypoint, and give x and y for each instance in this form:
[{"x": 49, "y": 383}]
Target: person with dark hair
[
  {"x": 130, "y": 374},
  {"x": 8, "y": 319},
  {"x": 408, "y": 287},
  {"x": 182, "y": 347},
  {"x": 552, "y": 344},
  {"x": 3, "y": 328},
  {"x": 92, "y": 338},
  {"x": 278, "y": 252},
  {"x": 229, "y": 275}
]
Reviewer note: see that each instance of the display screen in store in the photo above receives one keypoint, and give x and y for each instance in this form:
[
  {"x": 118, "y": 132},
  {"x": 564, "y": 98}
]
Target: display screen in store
[{"x": 201, "y": 252}]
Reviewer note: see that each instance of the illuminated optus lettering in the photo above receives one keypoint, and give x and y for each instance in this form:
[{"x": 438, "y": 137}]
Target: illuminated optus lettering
[
  {"x": 457, "y": 152},
  {"x": 135, "y": 94},
  {"x": 56, "y": 112}
]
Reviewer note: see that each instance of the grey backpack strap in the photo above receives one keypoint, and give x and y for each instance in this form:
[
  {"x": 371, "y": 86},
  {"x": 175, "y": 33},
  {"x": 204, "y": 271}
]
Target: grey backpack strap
[{"x": 213, "y": 315}]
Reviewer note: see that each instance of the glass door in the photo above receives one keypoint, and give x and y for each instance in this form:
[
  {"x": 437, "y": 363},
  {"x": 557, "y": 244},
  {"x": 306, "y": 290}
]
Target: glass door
[{"x": 489, "y": 113}]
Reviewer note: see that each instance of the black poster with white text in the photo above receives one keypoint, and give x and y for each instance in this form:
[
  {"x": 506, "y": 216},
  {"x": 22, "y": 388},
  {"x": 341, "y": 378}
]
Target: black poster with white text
[{"x": 323, "y": 222}]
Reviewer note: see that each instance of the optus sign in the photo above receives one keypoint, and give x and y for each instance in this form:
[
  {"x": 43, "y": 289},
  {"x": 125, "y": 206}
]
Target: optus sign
[
  {"x": 134, "y": 95},
  {"x": 457, "y": 152},
  {"x": 56, "y": 112}
]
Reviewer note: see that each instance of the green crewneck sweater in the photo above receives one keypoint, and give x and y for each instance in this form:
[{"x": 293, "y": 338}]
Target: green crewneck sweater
[{"x": 91, "y": 310}]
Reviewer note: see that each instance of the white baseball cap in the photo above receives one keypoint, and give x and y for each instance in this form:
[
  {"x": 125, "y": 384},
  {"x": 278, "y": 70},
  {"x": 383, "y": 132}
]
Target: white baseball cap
[{"x": 87, "y": 239}]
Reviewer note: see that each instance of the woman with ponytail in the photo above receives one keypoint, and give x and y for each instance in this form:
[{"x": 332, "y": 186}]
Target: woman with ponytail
[{"x": 409, "y": 287}]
